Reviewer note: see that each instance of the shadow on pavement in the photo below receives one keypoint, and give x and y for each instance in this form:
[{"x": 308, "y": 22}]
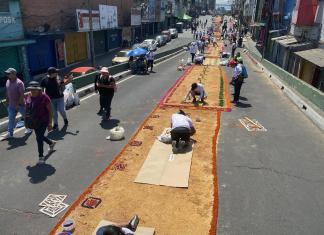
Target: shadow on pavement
[
  {"x": 59, "y": 135},
  {"x": 109, "y": 124},
  {"x": 39, "y": 173},
  {"x": 243, "y": 98},
  {"x": 243, "y": 105},
  {"x": 18, "y": 142}
]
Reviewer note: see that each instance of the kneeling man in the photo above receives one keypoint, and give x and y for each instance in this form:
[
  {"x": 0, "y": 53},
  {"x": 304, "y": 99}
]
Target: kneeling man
[{"x": 181, "y": 128}]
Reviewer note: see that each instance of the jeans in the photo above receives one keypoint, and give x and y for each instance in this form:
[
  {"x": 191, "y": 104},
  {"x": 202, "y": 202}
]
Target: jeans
[
  {"x": 237, "y": 89},
  {"x": 41, "y": 138},
  {"x": 192, "y": 57},
  {"x": 58, "y": 106},
  {"x": 12, "y": 113},
  {"x": 106, "y": 100},
  {"x": 150, "y": 64},
  {"x": 180, "y": 133}
]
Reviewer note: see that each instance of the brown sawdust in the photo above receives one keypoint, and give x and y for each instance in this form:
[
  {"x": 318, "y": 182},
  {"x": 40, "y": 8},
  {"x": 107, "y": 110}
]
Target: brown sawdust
[
  {"x": 209, "y": 76},
  {"x": 169, "y": 210}
]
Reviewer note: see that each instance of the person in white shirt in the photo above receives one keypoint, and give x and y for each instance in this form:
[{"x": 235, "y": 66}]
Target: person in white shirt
[
  {"x": 150, "y": 59},
  {"x": 181, "y": 128},
  {"x": 193, "y": 50},
  {"x": 197, "y": 89}
]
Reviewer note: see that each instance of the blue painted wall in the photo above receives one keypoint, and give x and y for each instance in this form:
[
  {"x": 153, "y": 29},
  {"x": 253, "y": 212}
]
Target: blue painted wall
[
  {"x": 288, "y": 9},
  {"x": 10, "y": 23}
]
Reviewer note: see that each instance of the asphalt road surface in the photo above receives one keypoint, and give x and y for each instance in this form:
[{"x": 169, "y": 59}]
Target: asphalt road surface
[
  {"x": 269, "y": 182},
  {"x": 82, "y": 151}
]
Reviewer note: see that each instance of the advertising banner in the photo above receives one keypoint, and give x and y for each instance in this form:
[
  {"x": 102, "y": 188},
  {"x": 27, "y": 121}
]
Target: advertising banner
[
  {"x": 149, "y": 12},
  {"x": 83, "y": 20},
  {"x": 108, "y": 17},
  {"x": 136, "y": 16}
]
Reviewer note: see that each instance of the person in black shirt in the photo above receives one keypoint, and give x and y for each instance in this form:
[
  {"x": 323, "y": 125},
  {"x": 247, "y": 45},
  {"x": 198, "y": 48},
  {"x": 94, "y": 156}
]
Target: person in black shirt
[
  {"x": 54, "y": 87},
  {"x": 107, "y": 86}
]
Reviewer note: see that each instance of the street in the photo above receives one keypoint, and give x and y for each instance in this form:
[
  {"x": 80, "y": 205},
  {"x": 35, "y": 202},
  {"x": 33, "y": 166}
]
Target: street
[
  {"x": 82, "y": 151},
  {"x": 268, "y": 182}
]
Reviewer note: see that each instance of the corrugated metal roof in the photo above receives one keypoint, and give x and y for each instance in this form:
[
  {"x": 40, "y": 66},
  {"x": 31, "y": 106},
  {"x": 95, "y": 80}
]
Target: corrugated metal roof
[
  {"x": 288, "y": 41},
  {"x": 315, "y": 56},
  {"x": 282, "y": 37}
]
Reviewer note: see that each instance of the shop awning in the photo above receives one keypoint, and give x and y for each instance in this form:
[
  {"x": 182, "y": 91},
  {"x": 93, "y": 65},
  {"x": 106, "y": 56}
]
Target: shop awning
[
  {"x": 315, "y": 56},
  {"x": 257, "y": 24},
  {"x": 185, "y": 17},
  {"x": 16, "y": 43},
  {"x": 288, "y": 41}
]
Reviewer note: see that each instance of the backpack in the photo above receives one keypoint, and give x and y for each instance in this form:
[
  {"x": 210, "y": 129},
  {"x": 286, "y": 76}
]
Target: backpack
[
  {"x": 31, "y": 119},
  {"x": 244, "y": 73}
]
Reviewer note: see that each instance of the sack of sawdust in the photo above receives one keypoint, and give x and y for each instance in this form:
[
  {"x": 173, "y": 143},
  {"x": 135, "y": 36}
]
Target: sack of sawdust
[{"x": 165, "y": 137}]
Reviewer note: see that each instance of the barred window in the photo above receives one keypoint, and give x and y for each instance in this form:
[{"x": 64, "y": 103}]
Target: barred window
[{"x": 4, "y": 5}]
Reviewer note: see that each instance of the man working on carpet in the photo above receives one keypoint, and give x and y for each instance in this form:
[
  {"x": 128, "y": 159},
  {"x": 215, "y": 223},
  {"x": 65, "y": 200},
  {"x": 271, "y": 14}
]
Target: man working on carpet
[
  {"x": 181, "y": 128},
  {"x": 196, "y": 89}
]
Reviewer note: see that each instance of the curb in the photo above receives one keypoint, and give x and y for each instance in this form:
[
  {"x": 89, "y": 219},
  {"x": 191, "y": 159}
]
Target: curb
[
  {"x": 311, "y": 112},
  {"x": 90, "y": 88}
]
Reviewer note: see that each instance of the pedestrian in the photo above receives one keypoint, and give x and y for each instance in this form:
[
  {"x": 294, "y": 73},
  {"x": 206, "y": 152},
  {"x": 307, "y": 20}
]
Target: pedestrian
[
  {"x": 181, "y": 129},
  {"x": 15, "y": 99},
  {"x": 39, "y": 116},
  {"x": 239, "y": 74},
  {"x": 197, "y": 35},
  {"x": 131, "y": 64},
  {"x": 150, "y": 59},
  {"x": 233, "y": 49},
  {"x": 54, "y": 87},
  {"x": 193, "y": 50},
  {"x": 107, "y": 87}
]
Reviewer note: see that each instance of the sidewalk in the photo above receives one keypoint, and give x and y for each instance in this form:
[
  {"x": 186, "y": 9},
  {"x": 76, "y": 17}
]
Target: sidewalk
[{"x": 269, "y": 182}]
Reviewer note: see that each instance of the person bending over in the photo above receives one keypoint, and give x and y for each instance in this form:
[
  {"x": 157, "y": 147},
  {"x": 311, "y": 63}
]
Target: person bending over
[
  {"x": 197, "y": 89},
  {"x": 181, "y": 128}
]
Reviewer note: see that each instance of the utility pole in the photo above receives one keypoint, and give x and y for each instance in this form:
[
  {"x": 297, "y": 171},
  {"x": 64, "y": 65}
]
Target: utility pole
[{"x": 92, "y": 52}]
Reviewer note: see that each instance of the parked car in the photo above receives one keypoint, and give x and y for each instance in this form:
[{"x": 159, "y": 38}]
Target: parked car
[
  {"x": 165, "y": 39},
  {"x": 77, "y": 72},
  {"x": 160, "y": 40},
  {"x": 151, "y": 43},
  {"x": 167, "y": 33},
  {"x": 174, "y": 33},
  {"x": 120, "y": 57}
]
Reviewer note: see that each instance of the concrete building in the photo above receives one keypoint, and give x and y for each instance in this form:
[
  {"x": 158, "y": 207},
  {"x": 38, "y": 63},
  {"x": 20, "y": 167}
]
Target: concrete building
[{"x": 12, "y": 40}]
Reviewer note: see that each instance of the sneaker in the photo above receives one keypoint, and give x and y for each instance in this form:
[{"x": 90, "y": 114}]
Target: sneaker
[
  {"x": 51, "y": 147},
  {"x": 7, "y": 136},
  {"x": 55, "y": 127},
  {"x": 41, "y": 161},
  {"x": 66, "y": 122},
  {"x": 28, "y": 131},
  {"x": 132, "y": 225},
  {"x": 100, "y": 112}
]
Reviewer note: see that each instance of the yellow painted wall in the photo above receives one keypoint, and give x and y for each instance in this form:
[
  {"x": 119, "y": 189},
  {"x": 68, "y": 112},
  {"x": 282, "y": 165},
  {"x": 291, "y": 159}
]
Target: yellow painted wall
[
  {"x": 307, "y": 72},
  {"x": 76, "y": 47}
]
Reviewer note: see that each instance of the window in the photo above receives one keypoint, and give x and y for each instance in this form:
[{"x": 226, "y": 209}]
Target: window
[{"x": 4, "y": 6}]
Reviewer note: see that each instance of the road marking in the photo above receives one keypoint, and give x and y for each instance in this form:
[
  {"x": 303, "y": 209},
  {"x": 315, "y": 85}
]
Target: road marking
[
  {"x": 252, "y": 125},
  {"x": 119, "y": 82}
]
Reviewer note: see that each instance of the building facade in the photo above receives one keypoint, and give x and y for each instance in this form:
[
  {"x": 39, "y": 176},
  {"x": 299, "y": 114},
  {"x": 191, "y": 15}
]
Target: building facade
[{"x": 12, "y": 40}]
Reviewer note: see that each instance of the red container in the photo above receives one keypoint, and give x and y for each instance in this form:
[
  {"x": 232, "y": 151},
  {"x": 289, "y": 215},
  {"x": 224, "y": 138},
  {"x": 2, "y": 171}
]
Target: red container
[{"x": 305, "y": 12}]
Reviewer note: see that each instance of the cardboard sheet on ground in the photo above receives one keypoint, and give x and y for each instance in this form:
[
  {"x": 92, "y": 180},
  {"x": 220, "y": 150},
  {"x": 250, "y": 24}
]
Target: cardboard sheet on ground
[
  {"x": 163, "y": 167},
  {"x": 139, "y": 230}
]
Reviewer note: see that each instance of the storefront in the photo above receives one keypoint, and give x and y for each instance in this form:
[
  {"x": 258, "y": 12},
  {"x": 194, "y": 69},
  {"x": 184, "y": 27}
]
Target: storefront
[
  {"x": 48, "y": 51},
  {"x": 76, "y": 47},
  {"x": 100, "y": 42},
  {"x": 114, "y": 37}
]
